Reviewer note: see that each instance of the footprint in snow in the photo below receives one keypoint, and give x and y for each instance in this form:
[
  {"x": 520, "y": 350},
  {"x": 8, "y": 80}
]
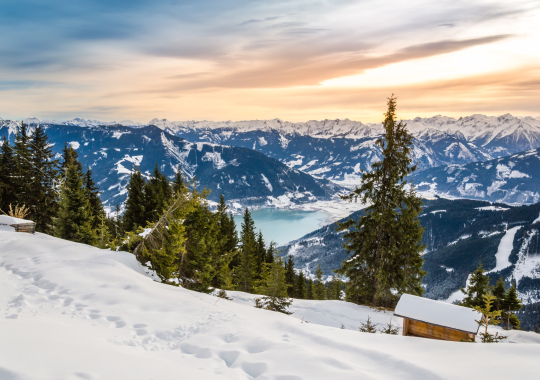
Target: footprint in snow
[{"x": 12, "y": 316}]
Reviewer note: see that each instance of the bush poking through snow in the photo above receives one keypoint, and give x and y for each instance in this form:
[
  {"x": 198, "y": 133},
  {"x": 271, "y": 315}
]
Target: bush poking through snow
[
  {"x": 223, "y": 294},
  {"x": 368, "y": 327},
  {"x": 389, "y": 329}
]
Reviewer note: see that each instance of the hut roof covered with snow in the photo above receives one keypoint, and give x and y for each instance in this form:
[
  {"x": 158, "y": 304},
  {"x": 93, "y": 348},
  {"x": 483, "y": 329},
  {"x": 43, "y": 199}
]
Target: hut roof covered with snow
[
  {"x": 19, "y": 225},
  {"x": 438, "y": 313}
]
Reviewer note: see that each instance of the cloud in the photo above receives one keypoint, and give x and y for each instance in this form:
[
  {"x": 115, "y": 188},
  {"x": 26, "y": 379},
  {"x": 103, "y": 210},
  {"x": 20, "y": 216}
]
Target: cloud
[
  {"x": 100, "y": 51},
  {"x": 287, "y": 73}
]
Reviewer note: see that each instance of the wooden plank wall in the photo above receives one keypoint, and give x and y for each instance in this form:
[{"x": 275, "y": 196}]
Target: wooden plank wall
[
  {"x": 426, "y": 330},
  {"x": 25, "y": 227}
]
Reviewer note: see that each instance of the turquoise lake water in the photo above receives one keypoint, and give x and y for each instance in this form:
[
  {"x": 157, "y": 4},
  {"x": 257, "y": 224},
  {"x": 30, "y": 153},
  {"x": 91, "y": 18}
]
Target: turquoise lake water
[{"x": 282, "y": 225}]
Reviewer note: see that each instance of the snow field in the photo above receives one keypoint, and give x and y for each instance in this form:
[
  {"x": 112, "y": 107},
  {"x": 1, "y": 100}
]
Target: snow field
[{"x": 70, "y": 311}]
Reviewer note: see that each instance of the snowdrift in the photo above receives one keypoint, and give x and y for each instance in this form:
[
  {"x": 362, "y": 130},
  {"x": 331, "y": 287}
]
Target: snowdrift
[{"x": 70, "y": 311}]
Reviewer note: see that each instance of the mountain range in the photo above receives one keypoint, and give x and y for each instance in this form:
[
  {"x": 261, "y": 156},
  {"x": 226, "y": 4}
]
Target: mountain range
[
  {"x": 244, "y": 176},
  {"x": 458, "y": 234}
]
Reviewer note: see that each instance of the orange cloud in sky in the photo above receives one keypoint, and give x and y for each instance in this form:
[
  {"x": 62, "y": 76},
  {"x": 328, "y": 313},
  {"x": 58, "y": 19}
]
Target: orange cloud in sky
[{"x": 292, "y": 60}]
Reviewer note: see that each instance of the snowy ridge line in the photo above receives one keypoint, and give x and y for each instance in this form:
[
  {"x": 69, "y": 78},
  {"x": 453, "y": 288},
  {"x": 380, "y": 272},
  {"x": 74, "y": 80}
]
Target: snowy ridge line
[{"x": 470, "y": 127}]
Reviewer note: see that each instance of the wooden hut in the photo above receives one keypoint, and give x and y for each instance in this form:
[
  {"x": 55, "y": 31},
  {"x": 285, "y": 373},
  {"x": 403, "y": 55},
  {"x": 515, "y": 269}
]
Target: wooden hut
[
  {"x": 431, "y": 319},
  {"x": 19, "y": 225}
]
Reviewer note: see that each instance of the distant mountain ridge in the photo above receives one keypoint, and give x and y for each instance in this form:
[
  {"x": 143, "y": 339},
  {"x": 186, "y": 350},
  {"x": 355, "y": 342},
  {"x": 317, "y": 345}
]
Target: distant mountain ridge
[
  {"x": 337, "y": 150},
  {"x": 458, "y": 235},
  {"x": 244, "y": 176},
  {"x": 513, "y": 179}
]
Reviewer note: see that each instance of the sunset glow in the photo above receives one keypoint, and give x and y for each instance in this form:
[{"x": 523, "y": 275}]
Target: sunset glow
[{"x": 240, "y": 60}]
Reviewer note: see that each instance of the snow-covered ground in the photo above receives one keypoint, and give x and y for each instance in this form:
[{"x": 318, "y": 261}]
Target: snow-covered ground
[{"x": 70, "y": 311}]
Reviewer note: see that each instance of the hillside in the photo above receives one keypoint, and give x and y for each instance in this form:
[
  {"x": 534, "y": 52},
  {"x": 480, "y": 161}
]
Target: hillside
[
  {"x": 512, "y": 179},
  {"x": 458, "y": 235},
  {"x": 338, "y": 149},
  {"x": 243, "y": 176},
  {"x": 71, "y": 311}
]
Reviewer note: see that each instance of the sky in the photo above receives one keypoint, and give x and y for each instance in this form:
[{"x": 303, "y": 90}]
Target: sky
[{"x": 296, "y": 60}]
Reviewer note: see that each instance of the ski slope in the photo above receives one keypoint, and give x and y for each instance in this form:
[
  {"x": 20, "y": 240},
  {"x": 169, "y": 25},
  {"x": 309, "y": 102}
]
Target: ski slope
[{"x": 70, "y": 311}]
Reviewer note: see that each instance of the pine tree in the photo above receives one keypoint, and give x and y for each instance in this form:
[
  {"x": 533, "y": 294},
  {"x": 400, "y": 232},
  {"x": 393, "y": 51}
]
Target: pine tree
[
  {"x": 178, "y": 183},
  {"x": 42, "y": 194},
  {"x": 499, "y": 292},
  {"x": 489, "y": 317},
  {"x": 134, "y": 215},
  {"x": 368, "y": 327},
  {"x": 8, "y": 170},
  {"x": 478, "y": 286},
  {"x": 309, "y": 289},
  {"x": 334, "y": 289},
  {"x": 166, "y": 246},
  {"x": 510, "y": 304},
  {"x": 228, "y": 243},
  {"x": 261, "y": 254},
  {"x": 319, "y": 293},
  {"x": 247, "y": 269},
  {"x": 23, "y": 169},
  {"x": 290, "y": 276},
  {"x": 93, "y": 193},
  {"x": 385, "y": 244},
  {"x": 103, "y": 234},
  {"x": 270, "y": 253},
  {"x": 202, "y": 260},
  {"x": 69, "y": 156},
  {"x": 74, "y": 220},
  {"x": 157, "y": 193},
  {"x": 300, "y": 287},
  {"x": 274, "y": 287}
]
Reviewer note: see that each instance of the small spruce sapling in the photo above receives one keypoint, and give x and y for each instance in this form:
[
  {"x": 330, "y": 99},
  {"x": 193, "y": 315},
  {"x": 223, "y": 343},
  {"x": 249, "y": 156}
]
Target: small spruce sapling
[
  {"x": 389, "y": 329},
  {"x": 368, "y": 327},
  {"x": 489, "y": 318}
]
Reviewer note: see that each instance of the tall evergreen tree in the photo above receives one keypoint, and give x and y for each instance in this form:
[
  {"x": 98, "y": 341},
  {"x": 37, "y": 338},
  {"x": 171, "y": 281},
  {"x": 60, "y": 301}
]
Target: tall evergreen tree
[
  {"x": 69, "y": 156},
  {"x": 511, "y": 303},
  {"x": 23, "y": 170},
  {"x": 247, "y": 269},
  {"x": 158, "y": 192},
  {"x": 300, "y": 287},
  {"x": 270, "y": 253},
  {"x": 42, "y": 188},
  {"x": 134, "y": 214},
  {"x": 178, "y": 182},
  {"x": 74, "y": 220},
  {"x": 92, "y": 193},
  {"x": 8, "y": 168},
  {"x": 334, "y": 289},
  {"x": 201, "y": 263},
  {"x": 309, "y": 289},
  {"x": 261, "y": 253},
  {"x": 385, "y": 244},
  {"x": 477, "y": 288},
  {"x": 499, "y": 292},
  {"x": 290, "y": 276},
  {"x": 274, "y": 287},
  {"x": 319, "y": 293}
]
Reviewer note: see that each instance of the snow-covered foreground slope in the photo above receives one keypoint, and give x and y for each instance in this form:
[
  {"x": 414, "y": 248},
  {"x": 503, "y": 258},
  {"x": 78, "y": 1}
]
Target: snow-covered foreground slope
[{"x": 69, "y": 311}]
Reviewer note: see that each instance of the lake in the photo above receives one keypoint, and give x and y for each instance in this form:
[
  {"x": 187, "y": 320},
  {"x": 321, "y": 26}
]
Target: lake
[{"x": 283, "y": 225}]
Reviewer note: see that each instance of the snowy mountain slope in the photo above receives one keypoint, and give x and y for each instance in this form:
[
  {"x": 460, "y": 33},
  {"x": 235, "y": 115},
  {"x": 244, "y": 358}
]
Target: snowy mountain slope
[
  {"x": 335, "y": 150},
  {"x": 338, "y": 149},
  {"x": 511, "y": 179},
  {"x": 458, "y": 235},
  {"x": 244, "y": 176},
  {"x": 72, "y": 311}
]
